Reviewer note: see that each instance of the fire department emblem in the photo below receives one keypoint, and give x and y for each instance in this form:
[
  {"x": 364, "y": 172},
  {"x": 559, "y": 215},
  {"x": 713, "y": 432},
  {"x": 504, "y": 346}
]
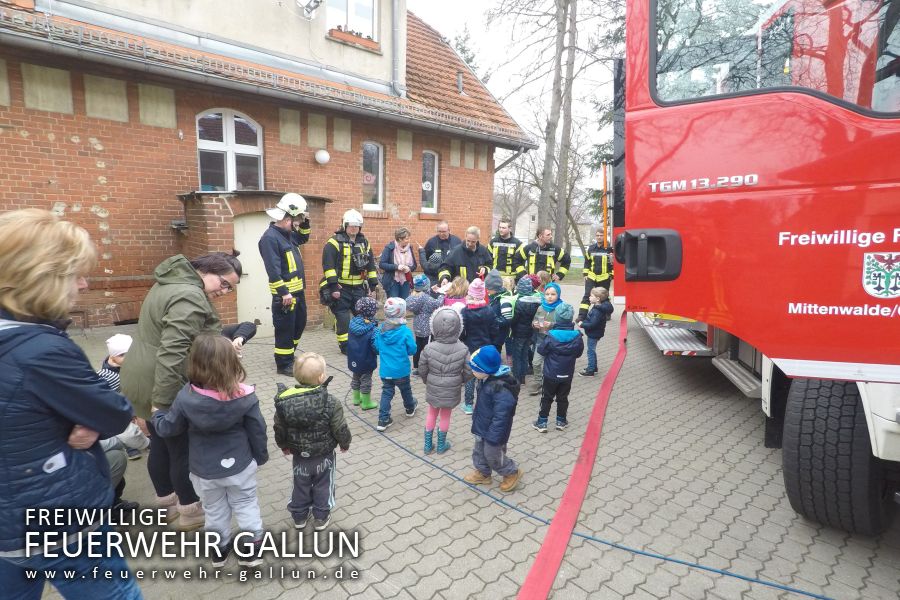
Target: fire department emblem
[{"x": 881, "y": 274}]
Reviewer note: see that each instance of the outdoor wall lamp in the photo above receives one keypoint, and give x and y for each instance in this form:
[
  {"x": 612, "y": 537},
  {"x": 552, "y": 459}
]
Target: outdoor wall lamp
[{"x": 322, "y": 157}]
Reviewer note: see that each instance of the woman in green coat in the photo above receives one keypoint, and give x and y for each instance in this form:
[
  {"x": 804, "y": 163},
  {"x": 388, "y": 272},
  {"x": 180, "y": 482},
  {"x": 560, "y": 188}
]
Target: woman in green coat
[{"x": 175, "y": 311}]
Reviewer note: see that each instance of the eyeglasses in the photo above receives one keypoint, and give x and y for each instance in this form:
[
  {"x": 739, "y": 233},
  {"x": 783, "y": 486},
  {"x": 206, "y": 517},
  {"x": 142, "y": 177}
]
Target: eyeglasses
[{"x": 225, "y": 285}]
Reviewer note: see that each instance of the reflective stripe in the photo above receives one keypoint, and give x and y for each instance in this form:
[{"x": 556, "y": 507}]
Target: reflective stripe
[
  {"x": 343, "y": 337},
  {"x": 292, "y": 264},
  {"x": 304, "y": 231},
  {"x": 520, "y": 269},
  {"x": 283, "y": 351},
  {"x": 345, "y": 265},
  {"x": 293, "y": 391},
  {"x": 531, "y": 259},
  {"x": 295, "y": 285},
  {"x": 334, "y": 243},
  {"x": 330, "y": 273},
  {"x": 463, "y": 272},
  {"x": 584, "y": 306},
  {"x": 296, "y": 342},
  {"x": 562, "y": 270},
  {"x": 496, "y": 252},
  {"x": 373, "y": 274},
  {"x": 551, "y": 265},
  {"x": 444, "y": 273},
  {"x": 353, "y": 281}
]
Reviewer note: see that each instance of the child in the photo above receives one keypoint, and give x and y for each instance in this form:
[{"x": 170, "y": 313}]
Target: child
[
  {"x": 456, "y": 293},
  {"x": 362, "y": 359},
  {"x": 521, "y": 309},
  {"x": 227, "y": 443},
  {"x": 544, "y": 278},
  {"x": 493, "y": 284},
  {"x": 498, "y": 393},
  {"x": 560, "y": 348},
  {"x": 594, "y": 326},
  {"x": 422, "y": 305},
  {"x": 395, "y": 343},
  {"x": 309, "y": 424},
  {"x": 543, "y": 321},
  {"x": 479, "y": 329},
  {"x": 132, "y": 440},
  {"x": 443, "y": 369}
]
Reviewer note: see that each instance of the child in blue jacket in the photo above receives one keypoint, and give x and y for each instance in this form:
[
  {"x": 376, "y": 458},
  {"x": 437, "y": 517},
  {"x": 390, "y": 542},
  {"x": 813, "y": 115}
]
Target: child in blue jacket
[
  {"x": 594, "y": 326},
  {"x": 498, "y": 393},
  {"x": 560, "y": 348},
  {"x": 395, "y": 343},
  {"x": 362, "y": 359}
]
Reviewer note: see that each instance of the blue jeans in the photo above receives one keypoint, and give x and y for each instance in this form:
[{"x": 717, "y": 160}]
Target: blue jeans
[
  {"x": 470, "y": 391},
  {"x": 387, "y": 394},
  {"x": 592, "y": 353},
  {"x": 74, "y": 577},
  {"x": 519, "y": 348},
  {"x": 398, "y": 290}
]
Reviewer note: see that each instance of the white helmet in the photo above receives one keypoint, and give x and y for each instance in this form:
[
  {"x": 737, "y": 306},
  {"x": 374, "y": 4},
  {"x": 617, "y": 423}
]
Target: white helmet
[
  {"x": 290, "y": 204},
  {"x": 352, "y": 217}
]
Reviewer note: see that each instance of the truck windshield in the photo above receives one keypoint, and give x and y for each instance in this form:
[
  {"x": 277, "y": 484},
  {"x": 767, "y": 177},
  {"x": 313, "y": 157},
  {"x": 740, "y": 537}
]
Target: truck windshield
[{"x": 847, "y": 49}]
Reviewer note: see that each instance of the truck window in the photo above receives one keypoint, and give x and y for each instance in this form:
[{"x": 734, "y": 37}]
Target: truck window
[{"x": 846, "y": 49}]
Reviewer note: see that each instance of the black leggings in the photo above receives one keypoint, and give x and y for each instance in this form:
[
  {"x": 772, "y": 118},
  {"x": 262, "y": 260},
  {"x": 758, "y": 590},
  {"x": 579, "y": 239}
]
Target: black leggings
[
  {"x": 167, "y": 465},
  {"x": 421, "y": 342}
]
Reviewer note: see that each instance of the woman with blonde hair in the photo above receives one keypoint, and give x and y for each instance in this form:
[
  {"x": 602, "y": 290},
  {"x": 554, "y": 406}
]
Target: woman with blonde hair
[{"x": 54, "y": 407}]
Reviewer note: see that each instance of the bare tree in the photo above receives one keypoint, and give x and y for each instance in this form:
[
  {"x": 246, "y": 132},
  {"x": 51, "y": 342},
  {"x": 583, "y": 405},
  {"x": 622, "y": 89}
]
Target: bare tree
[{"x": 562, "y": 181}]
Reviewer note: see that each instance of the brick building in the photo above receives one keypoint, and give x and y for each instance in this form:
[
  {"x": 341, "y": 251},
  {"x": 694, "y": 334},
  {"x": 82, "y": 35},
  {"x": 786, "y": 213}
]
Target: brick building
[{"x": 167, "y": 128}]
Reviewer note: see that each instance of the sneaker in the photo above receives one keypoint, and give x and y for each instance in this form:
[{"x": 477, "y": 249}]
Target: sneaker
[
  {"x": 561, "y": 424},
  {"x": 382, "y": 425},
  {"x": 301, "y": 522},
  {"x": 510, "y": 482},
  {"x": 415, "y": 371},
  {"x": 254, "y": 558},
  {"x": 133, "y": 453},
  {"x": 219, "y": 561},
  {"x": 411, "y": 412},
  {"x": 321, "y": 524},
  {"x": 468, "y": 408},
  {"x": 587, "y": 373},
  {"x": 476, "y": 477},
  {"x": 540, "y": 425}
]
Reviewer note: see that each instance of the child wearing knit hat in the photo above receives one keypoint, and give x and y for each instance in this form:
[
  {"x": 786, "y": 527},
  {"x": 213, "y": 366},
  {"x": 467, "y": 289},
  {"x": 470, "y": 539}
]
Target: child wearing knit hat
[
  {"x": 479, "y": 329},
  {"x": 560, "y": 348},
  {"x": 422, "y": 305},
  {"x": 395, "y": 344},
  {"x": 544, "y": 319},
  {"x": 132, "y": 440},
  {"x": 520, "y": 310},
  {"x": 361, "y": 356},
  {"x": 498, "y": 394}
]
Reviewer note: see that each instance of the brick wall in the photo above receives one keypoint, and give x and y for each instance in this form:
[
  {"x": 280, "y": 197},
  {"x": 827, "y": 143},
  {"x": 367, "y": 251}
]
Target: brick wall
[{"x": 120, "y": 181}]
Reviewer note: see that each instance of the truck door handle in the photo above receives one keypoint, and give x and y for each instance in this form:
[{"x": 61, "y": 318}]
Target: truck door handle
[{"x": 649, "y": 254}]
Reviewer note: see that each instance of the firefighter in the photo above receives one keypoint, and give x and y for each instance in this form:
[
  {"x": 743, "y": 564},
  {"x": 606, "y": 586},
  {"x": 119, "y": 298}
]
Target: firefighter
[
  {"x": 348, "y": 272},
  {"x": 280, "y": 250},
  {"x": 542, "y": 255},
  {"x": 598, "y": 271},
  {"x": 436, "y": 249},
  {"x": 503, "y": 248},
  {"x": 468, "y": 260}
]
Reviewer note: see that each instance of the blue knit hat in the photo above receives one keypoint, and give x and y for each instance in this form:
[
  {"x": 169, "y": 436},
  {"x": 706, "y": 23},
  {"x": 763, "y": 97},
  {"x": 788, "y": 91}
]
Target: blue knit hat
[
  {"x": 366, "y": 307},
  {"x": 564, "y": 313},
  {"x": 524, "y": 287},
  {"x": 421, "y": 282},
  {"x": 485, "y": 360}
]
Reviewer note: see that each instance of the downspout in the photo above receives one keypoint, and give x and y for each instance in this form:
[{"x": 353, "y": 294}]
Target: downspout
[
  {"x": 518, "y": 153},
  {"x": 395, "y": 49}
]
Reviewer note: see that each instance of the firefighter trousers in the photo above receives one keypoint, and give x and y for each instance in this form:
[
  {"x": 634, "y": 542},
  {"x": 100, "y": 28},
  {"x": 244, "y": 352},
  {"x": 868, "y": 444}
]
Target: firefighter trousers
[
  {"x": 343, "y": 310},
  {"x": 289, "y": 324},
  {"x": 590, "y": 284}
]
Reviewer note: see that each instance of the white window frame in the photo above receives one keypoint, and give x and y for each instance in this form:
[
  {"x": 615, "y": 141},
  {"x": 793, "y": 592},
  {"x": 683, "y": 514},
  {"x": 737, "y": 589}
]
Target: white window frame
[
  {"x": 229, "y": 147},
  {"x": 345, "y": 25},
  {"x": 380, "y": 205},
  {"x": 437, "y": 178}
]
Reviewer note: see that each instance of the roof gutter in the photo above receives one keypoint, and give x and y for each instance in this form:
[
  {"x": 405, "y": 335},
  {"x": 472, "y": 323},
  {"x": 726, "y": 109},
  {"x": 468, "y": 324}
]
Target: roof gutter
[{"x": 97, "y": 56}]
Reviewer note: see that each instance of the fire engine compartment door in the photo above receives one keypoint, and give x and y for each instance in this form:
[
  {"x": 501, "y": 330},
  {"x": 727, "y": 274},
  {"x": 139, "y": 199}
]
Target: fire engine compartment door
[{"x": 649, "y": 254}]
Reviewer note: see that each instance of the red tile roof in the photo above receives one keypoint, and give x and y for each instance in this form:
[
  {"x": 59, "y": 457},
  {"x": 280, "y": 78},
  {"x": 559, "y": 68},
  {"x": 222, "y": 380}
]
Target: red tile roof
[{"x": 431, "y": 72}]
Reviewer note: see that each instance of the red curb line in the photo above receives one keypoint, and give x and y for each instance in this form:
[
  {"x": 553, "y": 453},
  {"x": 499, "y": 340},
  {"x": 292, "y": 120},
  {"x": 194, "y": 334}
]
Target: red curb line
[{"x": 546, "y": 564}]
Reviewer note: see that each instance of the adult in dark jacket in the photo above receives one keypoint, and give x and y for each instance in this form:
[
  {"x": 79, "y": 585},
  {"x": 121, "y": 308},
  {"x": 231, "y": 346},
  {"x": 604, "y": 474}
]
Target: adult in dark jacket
[
  {"x": 397, "y": 262},
  {"x": 468, "y": 260},
  {"x": 175, "y": 311},
  {"x": 54, "y": 408},
  {"x": 597, "y": 271},
  {"x": 503, "y": 248},
  {"x": 436, "y": 249},
  {"x": 279, "y": 247},
  {"x": 542, "y": 255},
  {"x": 560, "y": 348}
]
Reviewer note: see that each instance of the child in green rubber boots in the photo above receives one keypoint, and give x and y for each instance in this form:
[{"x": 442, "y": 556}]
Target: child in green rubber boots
[{"x": 362, "y": 359}]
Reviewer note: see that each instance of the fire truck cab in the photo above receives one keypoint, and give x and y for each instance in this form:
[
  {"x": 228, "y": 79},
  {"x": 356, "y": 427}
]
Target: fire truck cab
[{"x": 757, "y": 219}]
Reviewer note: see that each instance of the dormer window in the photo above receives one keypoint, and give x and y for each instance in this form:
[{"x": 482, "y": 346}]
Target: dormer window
[{"x": 356, "y": 17}]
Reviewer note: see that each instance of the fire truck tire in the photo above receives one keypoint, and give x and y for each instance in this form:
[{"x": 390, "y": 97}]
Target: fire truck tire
[{"x": 830, "y": 474}]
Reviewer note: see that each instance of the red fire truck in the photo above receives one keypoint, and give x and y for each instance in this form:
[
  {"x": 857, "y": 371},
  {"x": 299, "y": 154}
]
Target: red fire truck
[{"x": 757, "y": 197}]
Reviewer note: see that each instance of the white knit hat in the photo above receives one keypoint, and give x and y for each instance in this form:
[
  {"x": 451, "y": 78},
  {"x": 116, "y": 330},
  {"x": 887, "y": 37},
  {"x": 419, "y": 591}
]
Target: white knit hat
[{"x": 118, "y": 344}]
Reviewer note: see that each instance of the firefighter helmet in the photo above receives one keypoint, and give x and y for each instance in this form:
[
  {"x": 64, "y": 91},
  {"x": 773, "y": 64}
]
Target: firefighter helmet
[
  {"x": 290, "y": 204},
  {"x": 352, "y": 217}
]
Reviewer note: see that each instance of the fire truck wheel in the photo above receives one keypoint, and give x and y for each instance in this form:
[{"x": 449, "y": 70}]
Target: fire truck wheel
[{"x": 830, "y": 474}]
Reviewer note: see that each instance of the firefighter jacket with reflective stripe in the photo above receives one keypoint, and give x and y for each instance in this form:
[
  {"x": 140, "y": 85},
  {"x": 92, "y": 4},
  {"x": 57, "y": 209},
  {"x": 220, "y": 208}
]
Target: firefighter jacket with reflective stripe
[
  {"x": 531, "y": 258},
  {"x": 462, "y": 262},
  {"x": 348, "y": 262},
  {"x": 598, "y": 265},
  {"x": 281, "y": 255},
  {"x": 504, "y": 253}
]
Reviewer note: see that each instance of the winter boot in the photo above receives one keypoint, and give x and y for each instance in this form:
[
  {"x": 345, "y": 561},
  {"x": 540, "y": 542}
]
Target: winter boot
[
  {"x": 168, "y": 503},
  {"x": 356, "y": 398},
  {"x": 510, "y": 482},
  {"x": 192, "y": 517},
  {"x": 366, "y": 402},
  {"x": 443, "y": 445},
  {"x": 429, "y": 440}
]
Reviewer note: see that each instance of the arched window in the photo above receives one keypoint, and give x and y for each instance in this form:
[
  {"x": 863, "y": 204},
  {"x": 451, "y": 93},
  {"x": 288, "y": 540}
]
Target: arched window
[
  {"x": 430, "y": 174},
  {"x": 229, "y": 151},
  {"x": 373, "y": 176}
]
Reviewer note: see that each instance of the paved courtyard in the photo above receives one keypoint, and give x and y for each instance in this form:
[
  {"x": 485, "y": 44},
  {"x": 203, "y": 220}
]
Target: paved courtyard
[{"x": 681, "y": 473}]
